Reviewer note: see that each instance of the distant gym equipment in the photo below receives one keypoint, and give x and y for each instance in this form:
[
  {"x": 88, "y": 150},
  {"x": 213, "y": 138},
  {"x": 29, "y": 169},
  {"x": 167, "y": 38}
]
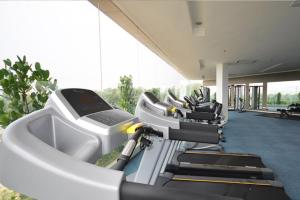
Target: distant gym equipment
[
  {"x": 151, "y": 111},
  {"x": 292, "y": 109},
  {"x": 196, "y": 105},
  {"x": 173, "y": 100},
  {"x": 255, "y": 95},
  {"x": 203, "y": 94},
  {"x": 237, "y": 97}
]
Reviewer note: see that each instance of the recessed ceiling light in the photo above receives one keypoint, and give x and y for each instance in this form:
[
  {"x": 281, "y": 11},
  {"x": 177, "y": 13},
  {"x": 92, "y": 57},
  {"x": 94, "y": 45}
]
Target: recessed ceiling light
[
  {"x": 271, "y": 67},
  {"x": 243, "y": 62},
  {"x": 246, "y": 62},
  {"x": 198, "y": 23},
  {"x": 201, "y": 64}
]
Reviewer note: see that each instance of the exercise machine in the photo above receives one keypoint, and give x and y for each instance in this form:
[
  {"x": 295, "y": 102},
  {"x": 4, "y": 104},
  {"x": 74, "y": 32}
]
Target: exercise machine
[
  {"x": 209, "y": 112},
  {"x": 189, "y": 103},
  {"x": 203, "y": 94},
  {"x": 237, "y": 97},
  {"x": 54, "y": 153},
  {"x": 86, "y": 109},
  {"x": 292, "y": 109},
  {"x": 155, "y": 113},
  {"x": 173, "y": 100},
  {"x": 256, "y": 93}
]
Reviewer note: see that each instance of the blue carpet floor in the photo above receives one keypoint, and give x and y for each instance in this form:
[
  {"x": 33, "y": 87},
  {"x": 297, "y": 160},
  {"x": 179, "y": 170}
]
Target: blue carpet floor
[{"x": 276, "y": 140}]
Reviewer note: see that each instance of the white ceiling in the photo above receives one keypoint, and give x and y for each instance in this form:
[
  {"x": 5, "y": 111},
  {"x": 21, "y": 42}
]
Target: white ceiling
[{"x": 250, "y": 37}]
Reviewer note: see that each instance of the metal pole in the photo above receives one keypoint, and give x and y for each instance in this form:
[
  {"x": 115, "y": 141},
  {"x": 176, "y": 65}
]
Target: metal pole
[{"x": 100, "y": 49}]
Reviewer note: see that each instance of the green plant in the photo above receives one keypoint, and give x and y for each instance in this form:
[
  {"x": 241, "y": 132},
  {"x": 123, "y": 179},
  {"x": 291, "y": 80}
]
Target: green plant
[
  {"x": 278, "y": 98},
  {"x": 23, "y": 89},
  {"x": 156, "y": 92},
  {"x": 127, "y": 101},
  {"x": 6, "y": 194},
  {"x": 111, "y": 95},
  {"x": 108, "y": 159}
]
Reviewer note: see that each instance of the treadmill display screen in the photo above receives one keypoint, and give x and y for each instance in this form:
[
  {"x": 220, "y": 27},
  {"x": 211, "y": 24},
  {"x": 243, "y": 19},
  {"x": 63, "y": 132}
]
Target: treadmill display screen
[{"x": 85, "y": 102}]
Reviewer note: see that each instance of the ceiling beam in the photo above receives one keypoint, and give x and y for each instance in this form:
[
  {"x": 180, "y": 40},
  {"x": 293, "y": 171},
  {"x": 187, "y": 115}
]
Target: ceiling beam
[{"x": 274, "y": 77}]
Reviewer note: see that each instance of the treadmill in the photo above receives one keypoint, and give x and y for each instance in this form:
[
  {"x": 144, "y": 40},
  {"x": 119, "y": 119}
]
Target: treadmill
[
  {"x": 180, "y": 104},
  {"x": 200, "y": 101},
  {"x": 190, "y": 161},
  {"x": 209, "y": 112},
  {"x": 173, "y": 100},
  {"x": 85, "y": 108},
  {"x": 54, "y": 153}
]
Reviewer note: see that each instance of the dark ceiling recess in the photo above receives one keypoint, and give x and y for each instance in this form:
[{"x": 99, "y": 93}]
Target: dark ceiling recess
[
  {"x": 201, "y": 64},
  {"x": 245, "y": 62},
  {"x": 295, "y": 3}
]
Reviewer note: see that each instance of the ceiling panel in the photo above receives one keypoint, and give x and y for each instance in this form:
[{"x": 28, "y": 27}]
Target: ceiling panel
[{"x": 195, "y": 36}]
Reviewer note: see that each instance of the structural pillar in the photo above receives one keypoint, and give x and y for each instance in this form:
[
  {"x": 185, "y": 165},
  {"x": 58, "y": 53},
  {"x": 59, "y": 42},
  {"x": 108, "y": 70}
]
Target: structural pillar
[
  {"x": 222, "y": 88},
  {"x": 247, "y": 96},
  {"x": 265, "y": 96},
  {"x": 232, "y": 95}
]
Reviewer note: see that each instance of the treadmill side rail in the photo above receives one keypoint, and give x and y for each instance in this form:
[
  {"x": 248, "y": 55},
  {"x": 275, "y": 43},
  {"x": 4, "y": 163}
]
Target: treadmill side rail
[
  {"x": 136, "y": 191},
  {"x": 209, "y": 137}
]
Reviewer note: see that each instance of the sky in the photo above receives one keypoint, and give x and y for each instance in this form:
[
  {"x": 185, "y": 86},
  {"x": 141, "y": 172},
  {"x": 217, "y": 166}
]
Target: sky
[
  {"x": 64, "y": 37},
  {"x": 287, "y": 87}
]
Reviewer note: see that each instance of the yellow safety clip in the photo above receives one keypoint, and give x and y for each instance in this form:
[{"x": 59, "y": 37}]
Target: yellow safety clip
[
  {"x": 132, "y": 129},
  {"x": 173, "y": 109}
]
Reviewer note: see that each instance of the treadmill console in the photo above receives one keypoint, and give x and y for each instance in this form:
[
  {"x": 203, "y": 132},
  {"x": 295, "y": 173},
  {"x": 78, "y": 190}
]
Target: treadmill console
[
  {"x": 110, "y": 118},
  {"x": 88, "y": 110},
  {"x": 85, "y": 102}
]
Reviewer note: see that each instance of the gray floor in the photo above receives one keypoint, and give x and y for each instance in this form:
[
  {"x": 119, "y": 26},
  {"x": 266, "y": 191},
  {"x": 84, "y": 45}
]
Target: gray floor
[{"x": 276, "y": 140}]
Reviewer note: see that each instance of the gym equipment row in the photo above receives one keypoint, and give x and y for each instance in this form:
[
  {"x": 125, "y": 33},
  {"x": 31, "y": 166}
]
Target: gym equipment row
[{"x": 55, "y": 150}]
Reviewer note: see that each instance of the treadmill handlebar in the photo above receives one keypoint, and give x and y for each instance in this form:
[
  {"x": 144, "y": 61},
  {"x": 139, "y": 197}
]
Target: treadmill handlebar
[
  {"x": 131, "y": 144},
  {"x": 201, "y": 116},
  {"x": 174, "y": 134},
  {"x": 128, "y": 150},
  {"x": 191, "y": 135},
  {"x": 208, "y": 135},
  {"x": 179, "y": 112}
]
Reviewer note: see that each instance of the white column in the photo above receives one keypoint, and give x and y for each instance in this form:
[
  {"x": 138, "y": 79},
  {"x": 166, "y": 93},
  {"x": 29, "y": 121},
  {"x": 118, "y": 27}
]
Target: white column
[
  {"x": 232, "y": 94},
  {"x": 222, "y": 88},
  {"x": 247, "y": 96},
  {"x": 265, "y": 96}
]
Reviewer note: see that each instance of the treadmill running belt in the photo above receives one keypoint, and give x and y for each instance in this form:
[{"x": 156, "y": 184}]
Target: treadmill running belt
[
  {"x": 219, "y": 159},
  {"x": 243, "y": 191}
]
